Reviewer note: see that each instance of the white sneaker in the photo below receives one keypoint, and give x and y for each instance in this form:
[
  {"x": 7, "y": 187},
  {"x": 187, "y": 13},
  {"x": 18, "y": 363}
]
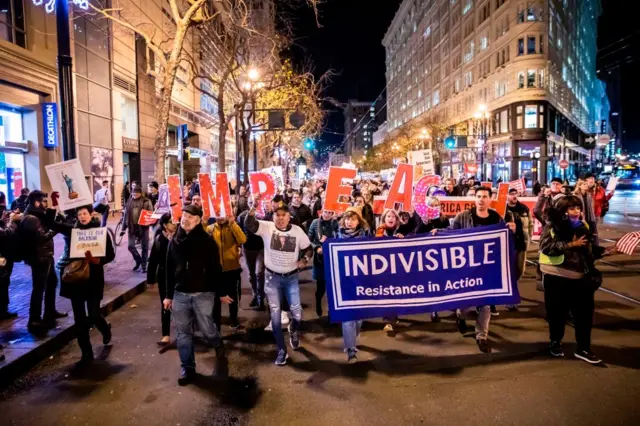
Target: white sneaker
[
  {"x": 284, "y": 317},
  {"x": 268, "y": 328}
]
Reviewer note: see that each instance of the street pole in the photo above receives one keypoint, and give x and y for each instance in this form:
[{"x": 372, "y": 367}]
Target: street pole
[
  {"x": 255, "y": 151},
  {"x": 65, "y": 80},
  {"x": 238, "y": 150}
]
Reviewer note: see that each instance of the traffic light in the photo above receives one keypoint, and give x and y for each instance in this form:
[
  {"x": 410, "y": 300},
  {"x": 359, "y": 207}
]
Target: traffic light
[
  {"x": 182, "y": 135},
  {"x": 308, "y": 144},
  {"x": 450, "y": 142}
]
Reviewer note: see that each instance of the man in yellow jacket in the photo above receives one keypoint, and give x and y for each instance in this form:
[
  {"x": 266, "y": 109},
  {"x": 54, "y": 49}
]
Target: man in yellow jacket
[{"x": 229, "y": 237}]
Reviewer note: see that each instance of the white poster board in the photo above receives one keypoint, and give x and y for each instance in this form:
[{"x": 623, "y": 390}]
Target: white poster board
[
  {"x": 613, "y": 183},
  {"x": 93, "y": 240},
  {"x": 295, "y": 183},
  {"x": 278, "y": 176},
  {"x": 422, "y": 162},
  {"x": 67, "y": 178}
]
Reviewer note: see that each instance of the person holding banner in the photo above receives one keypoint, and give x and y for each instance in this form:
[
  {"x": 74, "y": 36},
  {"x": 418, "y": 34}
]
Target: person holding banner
[
  {"x": 367, "y": 210},
  {"x": 133, "y": 210},
  {"x": 524, "y": 230},
  {"x": 389, "y": 225},
  {"x": 86, "y": 295},
  {"x": 287, "y": 250},
  {"x": 478, "y": 216},
  {"x": 157, "y": 272},
  {"x": 321, "y": 229},
  {"x": 352, "y": 226},
  {"x": 567, "y": 260}
]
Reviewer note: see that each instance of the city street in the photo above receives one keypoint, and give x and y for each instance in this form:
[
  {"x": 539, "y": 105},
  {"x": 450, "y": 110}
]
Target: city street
[{"x": 424, "y": 374}]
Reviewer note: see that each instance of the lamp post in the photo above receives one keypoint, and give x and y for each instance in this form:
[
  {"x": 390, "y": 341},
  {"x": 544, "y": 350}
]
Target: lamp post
[
  {"x": 535, "y": 157},
  {"x": 424, "y": 135},
  {"x": 481, "y": 119},
  {"x": 250, "y": 88},
  {"x": 65, "y": 70}
]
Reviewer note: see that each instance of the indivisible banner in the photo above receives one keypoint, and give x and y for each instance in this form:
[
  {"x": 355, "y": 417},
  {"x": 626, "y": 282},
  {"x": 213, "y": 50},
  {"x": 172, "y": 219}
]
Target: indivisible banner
[
  {"x": 67, "y": 178},
  {"x": 373, "y": 278},
  {"x": 175, "y": 197},
  {"x": 146, "y": 218},
  {"x": 83, "y": 240}
]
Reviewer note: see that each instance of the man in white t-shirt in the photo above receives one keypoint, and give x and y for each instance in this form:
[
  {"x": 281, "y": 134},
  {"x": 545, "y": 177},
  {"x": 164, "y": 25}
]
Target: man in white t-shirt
[
  {"x": 102, "y": 199},
  {"x": 287, "y": 249}
]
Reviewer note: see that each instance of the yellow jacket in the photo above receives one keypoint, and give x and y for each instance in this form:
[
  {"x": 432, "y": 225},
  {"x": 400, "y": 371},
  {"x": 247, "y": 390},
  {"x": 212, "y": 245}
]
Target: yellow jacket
[{"x": 229, "y": 238}]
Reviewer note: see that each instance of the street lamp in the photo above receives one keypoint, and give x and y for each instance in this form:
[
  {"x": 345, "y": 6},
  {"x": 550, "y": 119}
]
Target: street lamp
[
  {"x": 481, "y": 118},
  {"x": 535, "y": 157},
  {"x": 424, "y": 135},
  {"x": 253, "y": 74},
  {"x": 251, "y": 86}
]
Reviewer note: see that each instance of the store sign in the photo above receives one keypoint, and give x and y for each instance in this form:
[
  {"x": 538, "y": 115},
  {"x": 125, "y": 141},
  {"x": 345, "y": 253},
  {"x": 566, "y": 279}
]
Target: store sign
[
  {"x": 50, "y": 5},
  {"x": 50, "y": 119},
  {"x": 130, "y": 145}
]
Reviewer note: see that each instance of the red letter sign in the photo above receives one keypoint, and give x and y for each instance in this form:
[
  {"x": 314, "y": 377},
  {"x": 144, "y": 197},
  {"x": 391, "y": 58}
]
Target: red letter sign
[
  {"x": 500, "y": 205},
  {"x": 219, "y": 197},
  {"x": 335, "y": 189},
  {"x": 420, "y": 195},
  {"x": 401, "y": 188},
  {"x": 175, "y": 197},
  {"x": 262, "y": 183}
]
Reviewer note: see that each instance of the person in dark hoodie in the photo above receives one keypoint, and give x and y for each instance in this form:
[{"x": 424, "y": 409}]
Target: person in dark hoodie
[
  {"x": 22, "y": 201},
  {"x": 254, "y": 257},
  {"x": 36, "y": 236},
  {"x": 8, "y": 227},
  {"x": 157, "y": 272},
  {"x": 133, "y": 209},
  {"x": 194, "y": 280},
  {"x": 321, "y": 229},
  {"x": 85, "y": 296}
]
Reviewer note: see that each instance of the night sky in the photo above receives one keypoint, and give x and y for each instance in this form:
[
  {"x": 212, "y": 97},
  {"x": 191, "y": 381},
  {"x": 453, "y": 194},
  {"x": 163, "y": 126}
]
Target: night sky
[{"x": 350, "y": 43}]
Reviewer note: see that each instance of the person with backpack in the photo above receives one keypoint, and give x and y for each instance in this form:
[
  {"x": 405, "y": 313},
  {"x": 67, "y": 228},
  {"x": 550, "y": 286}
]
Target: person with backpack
[
  {"x": 86, "y": 293},
  {"x": 35, "y": 237}
]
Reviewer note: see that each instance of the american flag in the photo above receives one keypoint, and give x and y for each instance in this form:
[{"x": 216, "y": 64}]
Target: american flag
[{"x": 628, "y": 243}]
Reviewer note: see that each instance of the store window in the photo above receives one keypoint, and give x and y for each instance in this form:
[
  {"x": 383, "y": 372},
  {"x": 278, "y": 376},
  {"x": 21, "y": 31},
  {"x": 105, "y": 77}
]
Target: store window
[
  {"x": 531, "y": 79},
  {"x": 12, "y": 171},
  {"x": 10, "y": 125},
  {"x": 12, "y": 28}
]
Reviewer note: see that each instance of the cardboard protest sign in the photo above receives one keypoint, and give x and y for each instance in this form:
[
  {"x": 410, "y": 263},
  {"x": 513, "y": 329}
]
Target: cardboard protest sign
[
  {"x": 519, "y": 185},
  {"x": 278, "y": 176},
  {"x": 335, "y": 188},
  {"x": 175, "y": 197},
  {"x": 146, "y": 218},
  {"x": 67, "y": 178},
  {"x": 486, "y": 185},
  {"x": 263, "y": 184},
  {"x": 402, "y": 188},
  {"x": 162, "y": 206},
  {"x": 295, "y": 183},
  {"x": 216, "y": 202},
  {"x": 378, "y": 204},
  {"x": 613, "y": 183},
  {"x": 451, "y": 206},
  {"x": 422, "y": 162},
  {"x": 500, "y": 204},
  {"x": 83, "y": 240}
]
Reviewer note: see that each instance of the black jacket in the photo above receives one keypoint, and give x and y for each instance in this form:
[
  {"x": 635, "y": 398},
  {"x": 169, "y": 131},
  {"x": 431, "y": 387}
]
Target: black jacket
[
  {"x": 93, "y": 289},
  {"x": 254, "y": 242},
  {"x": 301, "y": 215},
  {"x": 157, "y": 270},
  {"x": 130, "y": 222},
  {"x": 153, "y": 198},
  {"x": 440, "y": 223},
  {"x": 318, "y": 229},
  {"x": 36, "y": 234},
  {"x": 193, "y": 264},
  {"x": 20, "y": 203}
]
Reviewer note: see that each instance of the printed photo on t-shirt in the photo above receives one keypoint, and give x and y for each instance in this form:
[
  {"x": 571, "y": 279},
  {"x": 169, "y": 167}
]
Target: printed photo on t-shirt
[{"x": 281, "y": 242}]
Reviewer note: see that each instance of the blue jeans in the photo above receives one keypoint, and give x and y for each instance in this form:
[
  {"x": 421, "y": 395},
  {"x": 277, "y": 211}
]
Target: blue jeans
[
  {"x": 186, "y": 306},
  {"x": 274, "y": 287},
  {"x": 350, "y": 333}
]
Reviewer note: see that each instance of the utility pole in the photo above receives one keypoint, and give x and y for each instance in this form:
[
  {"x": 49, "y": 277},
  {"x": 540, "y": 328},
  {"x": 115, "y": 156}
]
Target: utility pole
[{"x": 65, "y": 80}]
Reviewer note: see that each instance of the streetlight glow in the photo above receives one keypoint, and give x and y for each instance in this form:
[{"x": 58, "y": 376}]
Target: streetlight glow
[
  {"x": 247, "y": 86},
  {"x": 254, "y": 74},
  {"x": 482, "y": 107}
]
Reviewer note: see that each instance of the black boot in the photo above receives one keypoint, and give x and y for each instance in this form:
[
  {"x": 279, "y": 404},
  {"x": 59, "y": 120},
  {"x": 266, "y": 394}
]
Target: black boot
[
  {"x": 106, "y": 336},
  {"x": 135, "y": 268},
  {"x": 187, "y": 376},
  {"x": 260, "y": 304},
  {"x": 319, "y": 306},
  {"x": 254, "y": 302}
]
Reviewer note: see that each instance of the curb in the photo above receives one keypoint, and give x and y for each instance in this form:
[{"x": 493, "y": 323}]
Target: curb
[{"x": 11, "y": 370}]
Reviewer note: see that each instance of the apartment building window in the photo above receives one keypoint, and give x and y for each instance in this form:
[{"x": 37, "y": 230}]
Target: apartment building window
[
  {"x": 485, "y": 67},
  {"x": 468, "y": 28},
  {"x": 541, "y": 78},
  {"x": 531, "y": 45},
  {"x": 502, "y": 57},
  {"x": 436, "y": 97},
  {"x": 499, "y": 3},
  {"x": 468, "y": 4},
  {"x": 427, "y": 32},
  {"x": 501, "y": 88},
  {"x": 12, "y": 28},
  {"x": 520, "y": 80},
  {"x": 520, "y": 15},
  {"x": 455, "y": 39},
  {"x": 484, "y": 41},
  {"x": 504, "y": 121},
  {"x": 456, "y": 85},
  {"x": 456, "y": 61},
  {"x": 531, "y": 116},
  {"x": 468, "y": 52},
  {"x": 468, "y": 79},
  {"x": 541, "y": 43},
  {"x": 485, "y": 11},
  {"x": 531, "y": 79},
  {"x": 531, "y": 12},
  {"x": 520, "y": 46},
  {"x": 502, "y": 25}
]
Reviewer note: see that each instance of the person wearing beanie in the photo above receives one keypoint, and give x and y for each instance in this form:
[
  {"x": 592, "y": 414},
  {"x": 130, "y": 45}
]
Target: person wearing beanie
[
  {"x": 85, "y": 296},
  {"x": 194, "y": 281},
  {"x": 135, "y": 232},
  {"x": 36, "y": 234}
]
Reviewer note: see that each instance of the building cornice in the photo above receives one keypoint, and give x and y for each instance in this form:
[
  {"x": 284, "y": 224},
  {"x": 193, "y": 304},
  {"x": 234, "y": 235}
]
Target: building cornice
[{"x": 397, "y": 21}]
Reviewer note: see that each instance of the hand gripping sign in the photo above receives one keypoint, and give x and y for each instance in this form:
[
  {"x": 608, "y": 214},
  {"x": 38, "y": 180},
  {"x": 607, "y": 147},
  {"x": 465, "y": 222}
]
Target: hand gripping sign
[
  {"x": 262, "y": 184},
  {"x": 401, "y": 188},
  {"x": 216, "y": 202},
  {"x": 420, "y": 196},
  {"x": 335, "y": 189}
]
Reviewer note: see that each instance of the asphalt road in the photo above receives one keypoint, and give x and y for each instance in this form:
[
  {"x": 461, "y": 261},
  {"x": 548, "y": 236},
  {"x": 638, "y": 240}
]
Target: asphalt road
[{"x": 426, "y": 374}]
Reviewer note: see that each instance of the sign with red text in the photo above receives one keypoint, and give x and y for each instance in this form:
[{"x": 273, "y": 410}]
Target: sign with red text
[
  {"x": 401, "y": 190},
  {"x": 146, "y": 218}
]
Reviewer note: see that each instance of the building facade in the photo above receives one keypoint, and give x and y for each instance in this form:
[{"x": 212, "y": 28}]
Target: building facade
[
  {"x": 529, "y": 65},
  {"x": 115, "y": 98},
  {"x": 361, "y": 121}
]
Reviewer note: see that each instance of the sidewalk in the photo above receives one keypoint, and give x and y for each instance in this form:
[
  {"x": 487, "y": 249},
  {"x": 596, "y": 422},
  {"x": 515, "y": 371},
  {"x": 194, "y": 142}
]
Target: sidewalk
[{"x": 23, "y": 349}]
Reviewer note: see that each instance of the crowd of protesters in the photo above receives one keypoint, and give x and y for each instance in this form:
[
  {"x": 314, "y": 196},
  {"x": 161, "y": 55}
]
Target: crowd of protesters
[{"x": 197, "y": 267}]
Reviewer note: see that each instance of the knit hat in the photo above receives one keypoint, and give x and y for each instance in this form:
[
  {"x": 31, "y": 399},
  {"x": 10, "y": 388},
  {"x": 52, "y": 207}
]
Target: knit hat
[
  {"x": 355, "y": 209},
  {"x": 37, "y": 195},
  {"x": 137, "y": 190},
  {"x": 194, "y": 210}
]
